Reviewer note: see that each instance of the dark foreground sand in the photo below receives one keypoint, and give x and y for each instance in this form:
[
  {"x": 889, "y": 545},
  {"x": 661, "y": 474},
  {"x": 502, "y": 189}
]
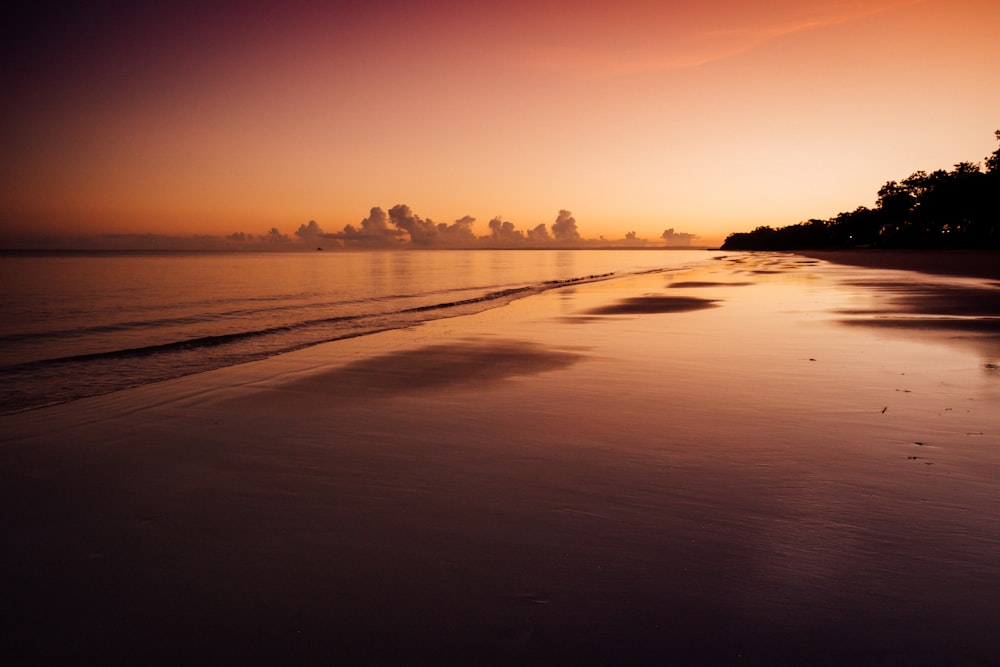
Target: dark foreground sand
[{"x": 739, "y": 465}]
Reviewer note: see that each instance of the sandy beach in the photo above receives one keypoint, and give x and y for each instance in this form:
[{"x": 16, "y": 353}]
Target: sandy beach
[
  {"x": 771, "y": 460},
  {"x": 970, "y": 263}
]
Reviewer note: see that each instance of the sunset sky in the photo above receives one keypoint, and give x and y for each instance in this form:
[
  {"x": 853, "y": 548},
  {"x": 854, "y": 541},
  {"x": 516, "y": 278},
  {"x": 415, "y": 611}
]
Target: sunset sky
[{"x": 709, "y": 116}]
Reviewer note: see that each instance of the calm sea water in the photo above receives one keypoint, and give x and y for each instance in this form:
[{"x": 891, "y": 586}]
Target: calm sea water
[{"x": 76, "y": 325}]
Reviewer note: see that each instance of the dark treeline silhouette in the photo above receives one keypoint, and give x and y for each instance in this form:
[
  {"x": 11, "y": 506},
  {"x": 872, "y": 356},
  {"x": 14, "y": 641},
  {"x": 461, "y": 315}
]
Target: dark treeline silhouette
[{"x": 942, "y": 209}]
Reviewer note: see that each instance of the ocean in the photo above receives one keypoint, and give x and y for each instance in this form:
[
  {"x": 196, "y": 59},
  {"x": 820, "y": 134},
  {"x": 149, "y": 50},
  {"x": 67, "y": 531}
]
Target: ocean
[{"x": 81, "y": 324}]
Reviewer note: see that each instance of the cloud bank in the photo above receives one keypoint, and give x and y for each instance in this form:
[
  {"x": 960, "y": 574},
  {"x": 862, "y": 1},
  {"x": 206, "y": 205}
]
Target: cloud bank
[{"x": 399, "y": 227}]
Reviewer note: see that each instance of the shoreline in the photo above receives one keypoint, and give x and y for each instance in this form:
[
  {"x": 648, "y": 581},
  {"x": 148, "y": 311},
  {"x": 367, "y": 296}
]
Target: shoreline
[{"x": 380, "y": 321}]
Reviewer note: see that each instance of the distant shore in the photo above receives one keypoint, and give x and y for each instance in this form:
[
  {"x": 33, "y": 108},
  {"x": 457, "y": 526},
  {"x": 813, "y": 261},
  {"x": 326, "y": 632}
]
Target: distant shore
[{"x": 969, "y": 263}]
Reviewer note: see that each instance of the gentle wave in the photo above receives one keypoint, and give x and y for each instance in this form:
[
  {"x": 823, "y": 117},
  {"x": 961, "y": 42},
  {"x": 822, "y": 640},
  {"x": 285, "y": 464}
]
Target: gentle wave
[
  {"x": 215, "y": 315},
  {"x": 45, "y": 382},
  {"x": 223, "y": 339}
]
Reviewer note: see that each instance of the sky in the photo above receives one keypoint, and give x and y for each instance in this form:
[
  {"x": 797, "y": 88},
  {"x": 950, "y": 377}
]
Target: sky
[{"x": 249, "y": 120}]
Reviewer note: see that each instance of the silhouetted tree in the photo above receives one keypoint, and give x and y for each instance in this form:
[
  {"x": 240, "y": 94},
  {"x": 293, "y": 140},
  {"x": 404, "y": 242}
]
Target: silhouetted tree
[
  {"x": 943, "y": 209},
  {"x": 993, "y": 160}
]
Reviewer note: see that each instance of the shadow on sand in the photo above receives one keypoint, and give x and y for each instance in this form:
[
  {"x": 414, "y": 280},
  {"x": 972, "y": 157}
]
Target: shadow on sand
[{"x": 469, "y": 363}]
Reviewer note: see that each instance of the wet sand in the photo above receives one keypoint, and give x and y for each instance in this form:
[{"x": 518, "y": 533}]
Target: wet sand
[
  {"x": 736, "y": 465},
  {"x": 971, "y": 263}
]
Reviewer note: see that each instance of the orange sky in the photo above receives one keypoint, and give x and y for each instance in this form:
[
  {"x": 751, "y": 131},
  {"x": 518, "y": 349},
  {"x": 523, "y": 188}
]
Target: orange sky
[{"x": 708, "y": 117}]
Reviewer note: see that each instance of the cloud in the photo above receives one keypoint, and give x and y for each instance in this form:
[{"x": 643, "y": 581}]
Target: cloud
[
  {"x": 564, "y": 228},
  {"x": 632, "y": 239},
  {"x": 310, "y": 233},
  {"x": 245, "y": 241},
  {"x": 503, "y": 232},
  {"x": 275, "y": 237},
  {"x": 401, "y": 226},
  {"x": 422, "y": 232},
  {"x": 677, "y": 238},
  {"x": 377, "y": 223},
  {"x": 458, "y": 233},
  {"x": 375, "y": 232},
  {"x": 425, "y": 233},
  {"x": 540, "y": 234}
]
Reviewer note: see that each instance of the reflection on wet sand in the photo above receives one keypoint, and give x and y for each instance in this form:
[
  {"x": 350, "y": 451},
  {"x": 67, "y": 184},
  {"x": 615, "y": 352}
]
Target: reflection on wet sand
[
  {"x": 466, "y": 363},
  {"x": 684, "y": 284},
  {"x": 927, "y": 298},
  {"x": 970, "y": 263},
  {"x": 956, "y": 312},
  {"x": 652, "y": 304},
  {"x": 957, "y": 302}
]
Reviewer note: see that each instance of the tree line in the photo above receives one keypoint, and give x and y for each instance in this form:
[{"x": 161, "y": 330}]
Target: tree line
[{"x": 942, "y": 209}]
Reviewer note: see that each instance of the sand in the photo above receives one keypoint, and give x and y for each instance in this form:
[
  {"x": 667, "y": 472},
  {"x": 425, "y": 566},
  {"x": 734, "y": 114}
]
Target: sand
[
  {"x": 738, "y": 465},
  {"x": 971, "y": 263}
]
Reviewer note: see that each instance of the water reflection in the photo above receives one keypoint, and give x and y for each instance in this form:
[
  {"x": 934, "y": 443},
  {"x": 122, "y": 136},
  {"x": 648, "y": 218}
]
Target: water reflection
[{"x": 942, "y": 309}]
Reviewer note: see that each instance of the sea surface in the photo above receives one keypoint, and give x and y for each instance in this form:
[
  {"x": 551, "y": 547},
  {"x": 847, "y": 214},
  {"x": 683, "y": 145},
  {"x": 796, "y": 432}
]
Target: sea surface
[{"x": 80, "y": 324}]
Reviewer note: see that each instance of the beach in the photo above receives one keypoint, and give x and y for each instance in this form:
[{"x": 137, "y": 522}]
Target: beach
[
  {"x": 771, "y": 459},
  {"x": 969, "y": 263}
]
